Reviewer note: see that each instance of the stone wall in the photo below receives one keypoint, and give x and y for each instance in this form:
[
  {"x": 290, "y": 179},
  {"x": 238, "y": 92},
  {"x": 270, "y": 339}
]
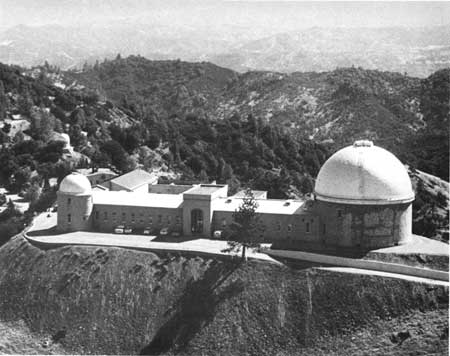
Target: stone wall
[
  {"x": 365, "y": 226},
  {"x": 74, "y": 212},
  {"x": 276, "y": 227},
  {"x": 107, "y": 217}
]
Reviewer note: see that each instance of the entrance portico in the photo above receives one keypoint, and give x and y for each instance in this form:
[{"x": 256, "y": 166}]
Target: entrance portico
[{"x": 197, "y": 208}]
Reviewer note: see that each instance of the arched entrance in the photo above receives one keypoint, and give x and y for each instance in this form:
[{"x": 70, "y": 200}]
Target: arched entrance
[{"x": 197, "y": 221}]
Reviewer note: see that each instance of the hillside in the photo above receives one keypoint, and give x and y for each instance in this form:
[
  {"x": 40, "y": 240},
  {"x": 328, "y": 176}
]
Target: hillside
[
  {"x": 200, "y": 122},
  {"x": 115, "y": 301},
  {"x": 340, "y": 105},
  {"x": 394, "y": 110},
  {"x": 417, "y": 51},
  {"x": 431, "y": 205}
]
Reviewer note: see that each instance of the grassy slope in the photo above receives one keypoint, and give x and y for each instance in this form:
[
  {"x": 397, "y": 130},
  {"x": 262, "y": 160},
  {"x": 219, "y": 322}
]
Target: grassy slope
[{"x": 117, "y": 301}]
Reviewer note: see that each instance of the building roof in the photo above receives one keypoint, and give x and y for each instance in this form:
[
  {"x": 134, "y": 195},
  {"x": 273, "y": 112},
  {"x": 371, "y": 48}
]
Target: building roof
[
  {"x": 134, "y": 179},
  {"x": 168, "y": 188},
  {"x": 204, "y": 189},
  {"x": 265, "y": 206},
  {"x": 75, "y": 184},
  {"x": 363, "y": 174},
  {"x": 151, "y": 200}
]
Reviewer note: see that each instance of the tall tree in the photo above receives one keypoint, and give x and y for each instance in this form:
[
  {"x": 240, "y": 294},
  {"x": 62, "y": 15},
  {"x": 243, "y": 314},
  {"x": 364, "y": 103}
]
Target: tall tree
[
  {"x": 246, "y": 226},
  {"x": 3, "y": 101}
]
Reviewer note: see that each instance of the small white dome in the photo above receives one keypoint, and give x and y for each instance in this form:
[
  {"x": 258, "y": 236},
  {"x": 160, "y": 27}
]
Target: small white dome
[
  {"x": 66, "y": 138},
  {"x": 363, "y": 174},
  {"x": 75, "y": 184}
]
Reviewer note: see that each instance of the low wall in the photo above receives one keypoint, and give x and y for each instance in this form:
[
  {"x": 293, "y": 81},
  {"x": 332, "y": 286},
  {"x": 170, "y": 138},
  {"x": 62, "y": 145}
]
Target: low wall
[
  {"x": 362, "y": 264},
  {"x": 185, "y": 250}
]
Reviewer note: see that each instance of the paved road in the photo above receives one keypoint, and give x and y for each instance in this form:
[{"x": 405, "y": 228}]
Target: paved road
[
  {"x": 418, "y": 245},
  {"x": 42, "y": 222}
]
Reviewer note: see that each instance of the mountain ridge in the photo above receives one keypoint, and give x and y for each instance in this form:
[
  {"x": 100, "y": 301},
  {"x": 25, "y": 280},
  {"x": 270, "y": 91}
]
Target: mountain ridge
[{"x": 419, "y": 51}]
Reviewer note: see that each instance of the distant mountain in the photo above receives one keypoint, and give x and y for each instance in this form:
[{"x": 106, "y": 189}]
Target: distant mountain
[{"x": 417, "y": 51}]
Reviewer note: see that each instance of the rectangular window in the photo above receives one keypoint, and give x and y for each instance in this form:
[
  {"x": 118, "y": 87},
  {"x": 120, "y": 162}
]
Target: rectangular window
[
  {"x": 124, "y": 217},
  {"x": 307, "y": 227},
  {"x": 105, "y": 216},
  {"x": 224, "y": 223},
  {"x": 96, "y": 215},
  {"x": 114, "y": 216},
  {"x": 141, "y": 219},
  {"x": 169, "y": 219},
  {"x": 132, "y": 217},
  {"x": 339, "y": 213},
  {"x": 159, "y": 219},
  {"x": 178, "y": 220},
  {"x": 278, "y": 226},
  {"x": 150, "y": 219},
  {"x": 69, "y": 218},
  {"x": 69, "y": 200},
  {"x": 289, "y": 227}
]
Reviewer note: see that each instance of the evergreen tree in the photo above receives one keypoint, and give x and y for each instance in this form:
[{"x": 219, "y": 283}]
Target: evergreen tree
[
  {"x": 3, "y": 101},
  {"x": 246, "y": 226}
]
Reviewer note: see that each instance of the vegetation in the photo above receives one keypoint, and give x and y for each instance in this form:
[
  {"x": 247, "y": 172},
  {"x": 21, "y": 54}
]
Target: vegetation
[
  {"x": 266, "y": 130},
  {"x": 246, "y": 227},
  {"x": 12, "y": 222},
  {"x": 428, "y": 150}
]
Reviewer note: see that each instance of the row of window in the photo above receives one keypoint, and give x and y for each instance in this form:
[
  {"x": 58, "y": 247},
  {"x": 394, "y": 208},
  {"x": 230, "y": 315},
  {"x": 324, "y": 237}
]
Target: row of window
[
  {"x": 69, "y": 218},
  {"x": 289, "y": 226},
  {"x": 141, "y": 218}
]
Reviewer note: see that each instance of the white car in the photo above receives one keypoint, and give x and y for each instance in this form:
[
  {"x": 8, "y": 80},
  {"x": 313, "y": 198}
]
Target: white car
[
  {"x": 164, "y": 231},
  {"x": 119, "y": 229},
  {"x": 147, "y": 231},
  {"x": 218, "y": 234},
  {"x": 128, "y": 230}
]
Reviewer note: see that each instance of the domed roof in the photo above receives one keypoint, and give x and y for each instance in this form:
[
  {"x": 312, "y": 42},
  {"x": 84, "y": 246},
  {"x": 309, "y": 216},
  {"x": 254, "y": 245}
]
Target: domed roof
[
  {"x": 363, "y": 174},
  {"x": 75, "y": 184}
]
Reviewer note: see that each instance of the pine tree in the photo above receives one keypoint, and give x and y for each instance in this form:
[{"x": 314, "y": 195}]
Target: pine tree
[
  {"x": 3, "y": 101},
  {"x": 246, "y": 226}
]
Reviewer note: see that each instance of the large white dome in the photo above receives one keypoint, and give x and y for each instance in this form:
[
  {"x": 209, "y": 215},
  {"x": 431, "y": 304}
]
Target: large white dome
[
  {"x": 75, "y": 184},
  {"x": 363, "y": 174}
]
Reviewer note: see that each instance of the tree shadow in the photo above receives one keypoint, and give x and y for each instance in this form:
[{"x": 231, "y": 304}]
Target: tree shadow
[
  {"x": 44, "y": 232},
  {"x": 195, "y": 309},
  {"x": 174, "y": 239}
]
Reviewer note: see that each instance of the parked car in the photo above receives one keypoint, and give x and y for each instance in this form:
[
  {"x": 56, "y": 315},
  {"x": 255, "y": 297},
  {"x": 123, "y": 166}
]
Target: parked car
[
  {"x": 119, "y": 229},
  {"x": 147, "y": 230},
  {"x": 221, "y": 234},
  {"x": 127, "y": 230},
  {"x": 164, "y": 231}
]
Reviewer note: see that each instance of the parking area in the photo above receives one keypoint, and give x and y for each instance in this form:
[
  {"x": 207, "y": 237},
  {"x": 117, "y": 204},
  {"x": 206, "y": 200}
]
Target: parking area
[{"x": 43, "y": 231}]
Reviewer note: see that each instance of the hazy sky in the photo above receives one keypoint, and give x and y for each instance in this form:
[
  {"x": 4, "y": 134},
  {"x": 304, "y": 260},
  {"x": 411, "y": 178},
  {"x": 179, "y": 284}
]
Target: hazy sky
[{"x": 274, "y": 16}]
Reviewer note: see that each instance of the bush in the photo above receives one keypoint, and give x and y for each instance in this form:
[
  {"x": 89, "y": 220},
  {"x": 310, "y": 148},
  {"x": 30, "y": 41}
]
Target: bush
[
  {"x": 45, "y": 201},
  {"x": 2, "y": 199}
]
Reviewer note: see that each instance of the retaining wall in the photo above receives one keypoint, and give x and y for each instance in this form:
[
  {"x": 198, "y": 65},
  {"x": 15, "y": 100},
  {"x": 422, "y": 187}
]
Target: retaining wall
[{"x": 362, "y": 264}]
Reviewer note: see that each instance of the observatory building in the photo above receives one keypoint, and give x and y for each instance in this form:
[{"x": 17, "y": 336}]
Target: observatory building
[{"x": 362, "y": 199}]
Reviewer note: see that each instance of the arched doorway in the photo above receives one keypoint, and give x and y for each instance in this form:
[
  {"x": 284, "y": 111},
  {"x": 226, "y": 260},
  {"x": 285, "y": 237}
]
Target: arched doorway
[{"x": 197, "y": 221}]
